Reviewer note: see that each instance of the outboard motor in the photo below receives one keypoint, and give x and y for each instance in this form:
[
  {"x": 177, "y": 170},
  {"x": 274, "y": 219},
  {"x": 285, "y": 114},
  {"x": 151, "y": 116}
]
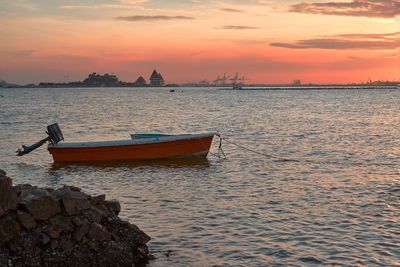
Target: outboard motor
[{"x": 54, "y": 136}]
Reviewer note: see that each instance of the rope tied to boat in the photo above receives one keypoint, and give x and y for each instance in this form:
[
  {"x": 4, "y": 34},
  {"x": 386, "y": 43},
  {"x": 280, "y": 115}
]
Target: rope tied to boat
[{"x": 220, "y": 150}]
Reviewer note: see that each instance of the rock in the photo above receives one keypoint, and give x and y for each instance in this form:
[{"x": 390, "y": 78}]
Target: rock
[
  {"x": 45, "y": 239},
  {"x": 4, "y": 255},
  {"x": 76, "y": 221},
  {"x": 73, "y": 188},
  {"x": 66, "y": 245},
  {"x": 98, "y": 199},
  {"x": 113, "y": 206},
  {"x": 53, "y": 231},
  {"x": 40, "y": 204},
  {"x": 65, "y": 227},
  {"x": 81, "y": 231},
  {"x": 20, "y": 188},
  {"x": 74, "y": 202},
  {"x": 2, "y": 173},
  {"x": 127, "y": 232},
  {"x": 54, "y": 244},
  {"x": 26, "y": 219},
  {"x": 59, "y": 224},
  {"x": 96, "y": 214},
  {"x": 98, "y": 232},
  {"x": 28, "y": 240},
  {"x": 5, "y": 182},
  {"x": 8, "y": 199},
  {"x": 9, "y": 229}
]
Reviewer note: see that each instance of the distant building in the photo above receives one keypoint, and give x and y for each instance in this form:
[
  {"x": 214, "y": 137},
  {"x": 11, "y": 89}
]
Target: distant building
[
  {"x": 97, "y": 80},
  {"x": 140, "y": 82},
  {"x": 297, "y": 83},
  {"x": 203, "y": 83},
  {"x": 156, "y": 79}
]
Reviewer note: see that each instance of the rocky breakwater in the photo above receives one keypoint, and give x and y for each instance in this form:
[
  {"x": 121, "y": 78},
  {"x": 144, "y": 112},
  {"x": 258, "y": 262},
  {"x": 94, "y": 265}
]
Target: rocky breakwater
[{"x": 65, "y": 227}]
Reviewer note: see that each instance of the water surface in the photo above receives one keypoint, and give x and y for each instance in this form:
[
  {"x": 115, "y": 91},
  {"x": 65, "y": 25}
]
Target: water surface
[{"x": 332, "y": 197}]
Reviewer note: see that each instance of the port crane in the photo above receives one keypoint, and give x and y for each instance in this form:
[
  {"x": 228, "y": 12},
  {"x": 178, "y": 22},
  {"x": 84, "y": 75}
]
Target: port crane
[{"x": 237, "y": 81}]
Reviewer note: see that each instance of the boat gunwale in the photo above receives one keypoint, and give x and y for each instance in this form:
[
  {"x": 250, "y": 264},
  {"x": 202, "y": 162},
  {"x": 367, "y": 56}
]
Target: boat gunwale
[{"x": 129, "y": 142}]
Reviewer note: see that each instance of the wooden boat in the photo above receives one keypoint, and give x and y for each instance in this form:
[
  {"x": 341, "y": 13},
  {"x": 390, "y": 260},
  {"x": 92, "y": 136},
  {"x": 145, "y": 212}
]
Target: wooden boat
[{"x": 139, "y": 147}]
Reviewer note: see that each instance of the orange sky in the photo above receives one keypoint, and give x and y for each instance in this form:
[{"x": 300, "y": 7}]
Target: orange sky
[{"x": 269, "y": 41}]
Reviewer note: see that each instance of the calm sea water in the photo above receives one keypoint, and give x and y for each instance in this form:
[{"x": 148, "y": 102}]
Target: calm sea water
[{"x": 337, "y": 202}]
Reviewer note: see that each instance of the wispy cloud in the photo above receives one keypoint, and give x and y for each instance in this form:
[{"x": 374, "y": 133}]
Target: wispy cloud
[
  {"x": 105, "y": 4},
  {"x": 380, "y": 41},
  {"x": 153, "y": 18},
  {"x": 361, "y": 8},
  {"x": 237, "y": 27},
  {"x": 233, "y": 10}
]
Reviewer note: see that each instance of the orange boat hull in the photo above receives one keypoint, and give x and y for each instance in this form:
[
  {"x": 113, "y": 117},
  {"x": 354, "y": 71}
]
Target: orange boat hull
[{"x": 198, "y": 147}]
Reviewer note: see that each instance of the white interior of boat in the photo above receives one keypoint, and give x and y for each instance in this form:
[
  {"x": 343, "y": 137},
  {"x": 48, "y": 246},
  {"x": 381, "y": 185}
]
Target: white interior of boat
[{"x": 135, "y": 140}]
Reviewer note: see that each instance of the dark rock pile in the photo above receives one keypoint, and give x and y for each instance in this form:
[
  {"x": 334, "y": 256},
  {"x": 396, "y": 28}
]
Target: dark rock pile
[{"x": 65, "y": 227}]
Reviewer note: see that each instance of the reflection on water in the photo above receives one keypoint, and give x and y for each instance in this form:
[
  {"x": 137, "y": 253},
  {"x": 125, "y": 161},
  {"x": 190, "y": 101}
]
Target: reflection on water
[
  {"x": 193, "y": 162},
  {"x": 337, "y": 202}
]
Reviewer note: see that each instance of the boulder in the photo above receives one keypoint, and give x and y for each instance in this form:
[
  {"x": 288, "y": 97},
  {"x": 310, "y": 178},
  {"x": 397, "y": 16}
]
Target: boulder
[
  {"x": 40, "y": 204},
  {"x": 26, "y": 219},
  {"x": 96, "y": 200},
  {"x": 66, "y": 245},
  {"x": 74, "y": 202},
  {"x": 59, "y": 224},
  {"x": 99, "y": 233},
  {"x": 113, "y": 206},
  {"x": 96, "y": 214},
  {"x": 81, "y": 230},
  {"x": 5, "y": 182},
  {"x": 9, "y": 229},
  {"x": 4, "y": 255},
  {"x": 127, "y": 232},
  {"x": 20, "y": 188},
  {"x": 8, "y": 199},
  {"x": 65, "y": 227}
]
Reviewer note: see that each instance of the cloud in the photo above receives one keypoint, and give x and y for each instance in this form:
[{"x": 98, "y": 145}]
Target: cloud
[
  {"x": 237, "y": 27},
  {"x": 358, "y": 8},
  {"x": 153, "y": 18},
  {"x": 234, "y": 10},
  {"x": 389, "y": 41},
  {"x": 23, "y": 53}
]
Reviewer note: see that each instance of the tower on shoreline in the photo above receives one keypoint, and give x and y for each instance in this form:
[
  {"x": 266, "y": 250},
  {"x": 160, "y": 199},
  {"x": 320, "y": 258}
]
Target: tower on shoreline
[{"x": 156, "y": 79}]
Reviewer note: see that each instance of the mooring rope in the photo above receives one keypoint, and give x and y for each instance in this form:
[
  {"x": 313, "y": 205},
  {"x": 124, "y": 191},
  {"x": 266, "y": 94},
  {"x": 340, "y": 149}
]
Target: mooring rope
[{"x": 248, "y": 149}]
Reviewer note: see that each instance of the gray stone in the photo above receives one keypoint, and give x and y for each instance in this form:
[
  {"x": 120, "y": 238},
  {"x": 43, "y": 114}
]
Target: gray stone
[
  {"x": 9, "y": 229},
  {"x": 81, "y": 231},
  {"x": 5, "y": 182},
  {"x": 26, "y": 219},
  {"x": 53, "y": 231},
  {"x": 40, "y": 204},
  {"x": 59, "y": 224},
  {"x": 113, "y": 206},
  {"x": 8, "y": 199},
  {"x": 66, "y": 245},
  {"x": 20, "y": 188},
  {"x": 99, "y": 233},
  {"x": 54, "y": 244},
  {"x": 76, "y": 221},
  {"x": 45, "y": 239},
  {"x": 98, "y": 199},
  {"x": 4, "y": 255},
  {"x": 74, "y": 202},
  {"x": 96, "y": 214}
]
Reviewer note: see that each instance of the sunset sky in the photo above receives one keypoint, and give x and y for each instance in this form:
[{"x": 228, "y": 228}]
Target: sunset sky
[{"x": 269, "y": 41}]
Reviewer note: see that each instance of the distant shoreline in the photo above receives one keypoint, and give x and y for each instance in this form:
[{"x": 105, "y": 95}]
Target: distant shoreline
[
  {"x": 314, "y": 87},
  {"x": 245, "y": 88}
]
